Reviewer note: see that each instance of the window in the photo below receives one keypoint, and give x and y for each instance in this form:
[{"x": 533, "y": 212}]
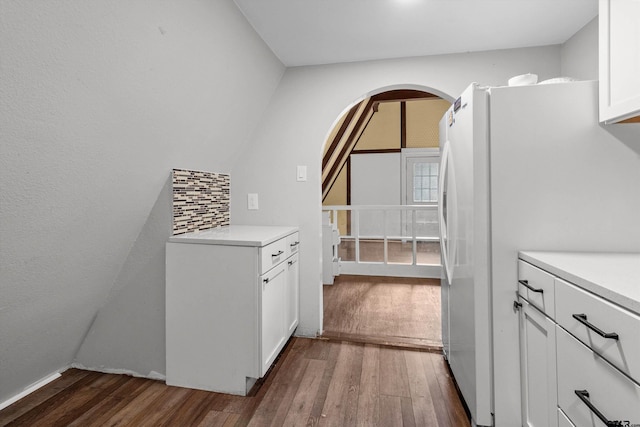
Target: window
[
  {"x": 420, "y": 168},
  {"x": 425, "y": 182}
]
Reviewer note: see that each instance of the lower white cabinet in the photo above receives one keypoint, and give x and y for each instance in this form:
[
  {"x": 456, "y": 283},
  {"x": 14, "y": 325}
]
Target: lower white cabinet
[
  {"x": 231, "y": 305},
  {"x": 273, "y": 306},
  {"x": 580, "y": 345},
  {"x": 537, "y": 367},
  {"x": 590, "y": 390}
]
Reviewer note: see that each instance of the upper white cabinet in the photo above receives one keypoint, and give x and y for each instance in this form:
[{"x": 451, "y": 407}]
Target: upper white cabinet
[{"x": 619, "y": 61}]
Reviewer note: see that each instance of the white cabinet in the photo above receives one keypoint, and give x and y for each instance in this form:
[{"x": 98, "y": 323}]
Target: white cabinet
[
  {"x": 273, "y": 305},
  {"x": 538, "y": 367},
  {"x": 619, "y": 57},
  {"x": 537, "y": 347},
  {"x": 591, "y": 390},
  {"x": 583, "y": 366},
  {"x": 231, "y": 305}
]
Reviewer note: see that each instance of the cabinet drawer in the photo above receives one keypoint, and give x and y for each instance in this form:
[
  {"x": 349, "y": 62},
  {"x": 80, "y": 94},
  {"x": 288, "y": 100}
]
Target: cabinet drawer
[
  {"x": 272, "y": 254},
  {"x": 609, "y": 391},
  {"x": 624, "y": 353},
  {"x": 537, "y": 287},
  {"x": 293, "y": 244}
]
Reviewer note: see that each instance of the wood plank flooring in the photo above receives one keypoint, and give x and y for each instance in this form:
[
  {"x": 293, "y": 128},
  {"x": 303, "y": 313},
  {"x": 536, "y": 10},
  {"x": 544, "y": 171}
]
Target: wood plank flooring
[
  {"x": 384, "y": 310},
  {"x": 315, "y": 382}
]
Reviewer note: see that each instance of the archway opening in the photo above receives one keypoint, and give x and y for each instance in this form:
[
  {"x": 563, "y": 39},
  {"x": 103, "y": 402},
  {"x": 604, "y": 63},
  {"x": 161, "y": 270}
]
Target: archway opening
[{"x": 381, "y": 261}]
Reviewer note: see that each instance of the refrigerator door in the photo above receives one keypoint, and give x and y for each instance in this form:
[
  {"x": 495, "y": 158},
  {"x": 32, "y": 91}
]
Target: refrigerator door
[{"x": 466, "y": 247}]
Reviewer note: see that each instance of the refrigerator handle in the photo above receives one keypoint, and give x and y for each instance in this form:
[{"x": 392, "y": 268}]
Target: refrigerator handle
[{"x": 442, "y": 210}]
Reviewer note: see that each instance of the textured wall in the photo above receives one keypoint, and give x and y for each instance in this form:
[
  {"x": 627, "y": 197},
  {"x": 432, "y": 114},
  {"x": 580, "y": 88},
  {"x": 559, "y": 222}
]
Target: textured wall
[
  {"x": 99, "y": 101},
  {"x": 422, "y": 122},
  {"x": 383, "y": 130}
]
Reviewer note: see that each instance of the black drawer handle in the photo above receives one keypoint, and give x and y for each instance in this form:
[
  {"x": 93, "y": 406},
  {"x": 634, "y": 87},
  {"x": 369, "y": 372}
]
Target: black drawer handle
[
  {"x": 294, "y": 244},
  {"x": 291, "y": 262},
  {"x": 265, "y": 280},
  {"x": 582, "y": 318},
  {"x": 526, "y": 284},
  {"x": 584, "y": 396},
  {"x": 278, "y": 254}
]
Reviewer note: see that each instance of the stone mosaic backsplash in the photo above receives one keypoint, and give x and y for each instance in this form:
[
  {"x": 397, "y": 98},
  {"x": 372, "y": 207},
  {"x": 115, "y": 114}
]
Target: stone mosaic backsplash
[{"x": 200, "y": 200}]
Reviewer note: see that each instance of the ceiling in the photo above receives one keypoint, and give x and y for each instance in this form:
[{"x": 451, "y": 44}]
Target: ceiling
[{"x": 309, "y": 32}]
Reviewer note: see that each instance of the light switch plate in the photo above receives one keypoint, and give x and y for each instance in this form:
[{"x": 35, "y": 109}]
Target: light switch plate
[
  {"x": 252, "y": 201},
  {"x": 301, "y": 173}
]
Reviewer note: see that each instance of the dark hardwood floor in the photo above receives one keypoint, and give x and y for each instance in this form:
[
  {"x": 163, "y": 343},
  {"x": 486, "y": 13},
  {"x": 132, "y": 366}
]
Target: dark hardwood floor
[
  {"x": 315, "y": 382},
  {"x": 384, "y": 310},
  {"x": 378, "y": 364}
]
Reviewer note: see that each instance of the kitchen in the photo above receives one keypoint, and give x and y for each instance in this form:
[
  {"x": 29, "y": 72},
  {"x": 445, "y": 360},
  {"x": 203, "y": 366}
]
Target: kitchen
[{"x": 102, "y": 101}]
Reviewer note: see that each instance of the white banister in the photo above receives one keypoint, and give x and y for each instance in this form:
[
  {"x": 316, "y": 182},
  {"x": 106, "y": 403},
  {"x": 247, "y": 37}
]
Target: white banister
[{"x": 392, "y": 226}]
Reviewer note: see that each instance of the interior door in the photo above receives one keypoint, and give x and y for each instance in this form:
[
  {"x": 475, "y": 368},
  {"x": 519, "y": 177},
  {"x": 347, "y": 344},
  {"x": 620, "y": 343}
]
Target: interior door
[{"x": 420, "y": 187}]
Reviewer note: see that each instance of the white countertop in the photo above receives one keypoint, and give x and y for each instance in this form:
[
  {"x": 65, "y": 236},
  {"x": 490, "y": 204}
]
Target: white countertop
[
  {"x": 236, "y": 235},
  {"x": 613, "y": 276}
]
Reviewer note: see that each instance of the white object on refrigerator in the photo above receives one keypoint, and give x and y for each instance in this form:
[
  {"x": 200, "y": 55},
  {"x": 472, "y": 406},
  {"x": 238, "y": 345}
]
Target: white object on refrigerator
[{"x": 523, "y": 168}]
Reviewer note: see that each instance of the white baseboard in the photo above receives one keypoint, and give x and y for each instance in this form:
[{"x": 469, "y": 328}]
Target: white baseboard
[
  {"x": 153, "y": 375},
  {"x": 30, "y": 389}
]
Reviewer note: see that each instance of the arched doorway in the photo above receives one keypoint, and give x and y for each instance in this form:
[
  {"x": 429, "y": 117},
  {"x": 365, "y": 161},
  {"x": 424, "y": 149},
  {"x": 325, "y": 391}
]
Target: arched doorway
[{"x": 383, "y": 150}]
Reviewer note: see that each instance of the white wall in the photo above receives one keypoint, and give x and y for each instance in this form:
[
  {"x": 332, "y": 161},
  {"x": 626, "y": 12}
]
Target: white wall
[
  {"x": 579, "y": 59},
  {"x": 579, "y": 54},
  {"x": 306, "y": 105},
  {"x": 98, "y": 101},
  {"x": 375, "y": 180}
]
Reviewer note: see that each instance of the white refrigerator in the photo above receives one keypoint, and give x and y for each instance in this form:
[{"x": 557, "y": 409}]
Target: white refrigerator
[{"x": 522, "y": 168}]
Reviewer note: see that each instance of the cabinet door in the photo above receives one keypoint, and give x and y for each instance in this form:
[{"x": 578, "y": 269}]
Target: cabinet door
[
  {"x": 619, "y": 60},
  {"x": 537, "y": 367},
  {"x": 273, "y": 309},
  {"x": 292, "y": 294}
]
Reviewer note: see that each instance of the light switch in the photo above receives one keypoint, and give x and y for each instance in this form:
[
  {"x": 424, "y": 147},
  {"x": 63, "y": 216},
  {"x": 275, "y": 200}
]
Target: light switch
[
  {"x": 301, "y": 174},
  {"x": 252, "y": 201}
]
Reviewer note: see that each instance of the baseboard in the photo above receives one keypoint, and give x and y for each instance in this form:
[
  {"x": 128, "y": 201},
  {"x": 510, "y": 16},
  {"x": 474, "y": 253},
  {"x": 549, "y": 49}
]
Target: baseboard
[
  {"x": 153, "y": 375},
  {"x": 30, "y": 389}
]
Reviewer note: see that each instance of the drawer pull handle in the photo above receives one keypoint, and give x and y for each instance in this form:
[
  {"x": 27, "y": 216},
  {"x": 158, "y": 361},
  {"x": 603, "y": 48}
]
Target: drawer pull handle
[
  {"x": 265, "y": 280},
  {"x": 517, "y": 305},
  {"x": 294, "y": 244},
  {"x": 582, "y": 318},
  {"x": 278, "y": 254},
  {"x": 291, "y": 262},
  {"x": 584, "y": 396},
  {"x": 526, "y": 284}
]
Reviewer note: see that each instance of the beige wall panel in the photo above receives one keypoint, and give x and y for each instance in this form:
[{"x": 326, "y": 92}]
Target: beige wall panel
[
  {"x": 383, "y": 131},
  {"x": 423, "y": 117}
]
